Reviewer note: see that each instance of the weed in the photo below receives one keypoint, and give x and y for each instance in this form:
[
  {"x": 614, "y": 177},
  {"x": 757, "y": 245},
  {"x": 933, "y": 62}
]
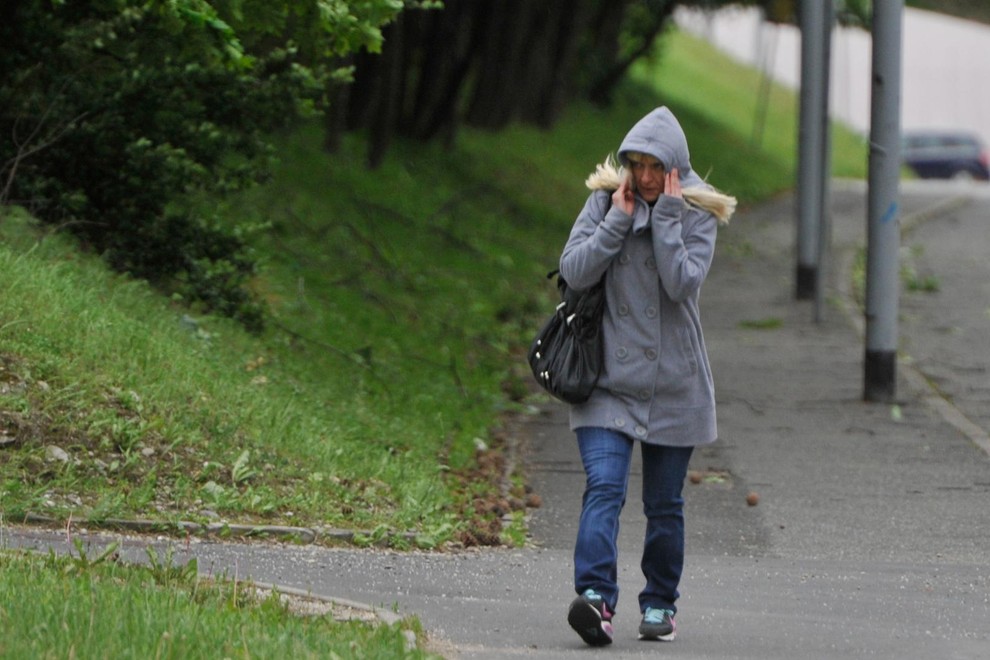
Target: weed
[
  {"x": 82, "y": 562},
  {"x": 912, "y": 279},
  {"x": 241, "y": 470},
  {"x": 165, "y": 573},
  {"x": 769, "y": 323}
]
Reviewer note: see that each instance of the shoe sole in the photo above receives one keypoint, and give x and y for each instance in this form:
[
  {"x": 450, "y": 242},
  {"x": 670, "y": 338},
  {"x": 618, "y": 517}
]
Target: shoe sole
[
  {"x": 654, "y": 637},
  {"x": 587, "y": 622}
]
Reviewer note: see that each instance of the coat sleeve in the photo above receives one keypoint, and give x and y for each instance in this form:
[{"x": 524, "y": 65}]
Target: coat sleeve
[
  {"x": 595, "y": 239},
  {"x": 683, "y": 245}
]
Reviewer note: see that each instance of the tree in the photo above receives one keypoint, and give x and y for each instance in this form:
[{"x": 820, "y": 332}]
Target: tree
[
  {"x": 487, "y": 63},
  {"x": 483, "y": 62},
  {"x": 974, "y": 10},
  {"x": 118, "y": 117}
]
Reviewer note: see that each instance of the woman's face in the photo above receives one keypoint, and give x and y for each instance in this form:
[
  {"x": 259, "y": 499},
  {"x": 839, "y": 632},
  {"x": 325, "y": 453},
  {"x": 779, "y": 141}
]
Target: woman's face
[{"x": 647, "y": 176}]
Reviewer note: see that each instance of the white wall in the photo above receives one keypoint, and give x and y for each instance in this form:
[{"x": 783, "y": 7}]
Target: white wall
[{"x": 945, "y": 76}]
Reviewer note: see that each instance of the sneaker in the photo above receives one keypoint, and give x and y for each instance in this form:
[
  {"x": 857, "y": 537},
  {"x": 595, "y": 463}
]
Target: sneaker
[
  {"x": 591, "y": 618},
  {"x": 658, "y": 624}
]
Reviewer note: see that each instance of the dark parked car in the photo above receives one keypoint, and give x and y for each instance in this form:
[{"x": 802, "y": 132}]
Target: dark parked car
[{"x": 945, "y": 155}]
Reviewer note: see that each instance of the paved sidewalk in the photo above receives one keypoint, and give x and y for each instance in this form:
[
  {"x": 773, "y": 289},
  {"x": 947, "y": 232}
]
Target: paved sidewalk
[{"x": 870, "y": 536}]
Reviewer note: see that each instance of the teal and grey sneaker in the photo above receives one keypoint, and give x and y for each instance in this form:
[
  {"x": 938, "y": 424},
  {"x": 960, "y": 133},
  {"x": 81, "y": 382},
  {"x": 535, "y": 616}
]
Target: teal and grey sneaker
[
  {"x": 658, "y": 624},
  {"x": 590, "y": 617}
]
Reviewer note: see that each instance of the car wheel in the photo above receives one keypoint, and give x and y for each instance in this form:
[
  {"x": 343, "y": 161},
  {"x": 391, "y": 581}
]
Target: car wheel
[{"x": 963, "y": 175}]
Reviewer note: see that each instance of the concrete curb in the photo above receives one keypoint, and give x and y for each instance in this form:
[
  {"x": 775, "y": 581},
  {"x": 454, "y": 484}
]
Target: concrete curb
[
  {"x": 300, "y": 535},
  {"x": 385, "y": 616}
]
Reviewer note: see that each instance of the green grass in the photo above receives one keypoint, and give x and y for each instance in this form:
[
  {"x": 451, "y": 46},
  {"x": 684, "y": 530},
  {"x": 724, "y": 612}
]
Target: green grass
[
  {"x": 769, "y": 323},
  {"x": 90, "y": 607}
]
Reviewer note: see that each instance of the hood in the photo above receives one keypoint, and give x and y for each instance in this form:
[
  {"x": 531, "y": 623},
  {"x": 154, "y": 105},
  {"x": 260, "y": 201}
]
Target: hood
[{"x": 660, "y": 135}]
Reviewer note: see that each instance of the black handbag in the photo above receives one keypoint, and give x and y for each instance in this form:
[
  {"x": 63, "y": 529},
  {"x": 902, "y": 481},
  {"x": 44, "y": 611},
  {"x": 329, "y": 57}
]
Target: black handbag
[{"x": 567, "y": 354}]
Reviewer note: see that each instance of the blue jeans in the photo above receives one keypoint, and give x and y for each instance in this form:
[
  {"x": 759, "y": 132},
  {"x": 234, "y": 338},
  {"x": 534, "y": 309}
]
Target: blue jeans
[{"x": 606, "y": 455}]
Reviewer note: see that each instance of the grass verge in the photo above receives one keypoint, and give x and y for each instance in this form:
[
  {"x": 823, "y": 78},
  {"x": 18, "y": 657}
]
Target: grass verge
[{"x": 93, "y": 607}]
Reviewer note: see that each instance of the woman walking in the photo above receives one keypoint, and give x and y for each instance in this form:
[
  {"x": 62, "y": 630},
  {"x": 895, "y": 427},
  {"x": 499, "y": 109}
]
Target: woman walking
[{"x": 650, "y": 228}]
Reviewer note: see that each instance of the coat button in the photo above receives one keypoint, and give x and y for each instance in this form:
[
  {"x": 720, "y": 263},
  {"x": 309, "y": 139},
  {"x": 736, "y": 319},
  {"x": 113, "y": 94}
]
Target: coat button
[
  {"x": 624, "y": 259},
  {"x": 651, "y": 263},
  {"x": 641, "y": 431},
  {"x": 620, "y": 422},
  {"x": 644, "y": 395},
  {"x": 651, "y": 312},
  {"x": 651, "y": 354},
  {"x": 623, "y": 309},
  {"x": 621, "y": 353}
]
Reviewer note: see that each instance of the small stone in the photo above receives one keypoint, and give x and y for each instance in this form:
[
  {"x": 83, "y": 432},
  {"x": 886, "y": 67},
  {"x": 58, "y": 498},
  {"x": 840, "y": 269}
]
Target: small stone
[{"x": 53, "y": 453}]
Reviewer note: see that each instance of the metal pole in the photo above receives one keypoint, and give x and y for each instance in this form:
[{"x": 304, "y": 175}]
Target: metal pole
[
  {"x": 812, "y": 106},
  {"x": 824, "y": 237},
  {"x": 883, "y": 227}
]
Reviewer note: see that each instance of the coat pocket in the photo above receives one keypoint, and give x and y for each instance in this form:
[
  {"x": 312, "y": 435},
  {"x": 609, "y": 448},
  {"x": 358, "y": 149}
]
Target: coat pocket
[{"x": 685, "y": 360}]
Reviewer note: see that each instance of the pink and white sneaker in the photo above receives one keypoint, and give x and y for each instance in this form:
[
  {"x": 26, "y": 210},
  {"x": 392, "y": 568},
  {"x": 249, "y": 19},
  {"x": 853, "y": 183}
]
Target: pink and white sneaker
[
  {"x": 658, "y": 624},
  {"x": 590, "y": 617}
]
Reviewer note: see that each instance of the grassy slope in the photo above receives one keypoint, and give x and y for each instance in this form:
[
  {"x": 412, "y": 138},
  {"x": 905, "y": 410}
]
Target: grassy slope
[{"x": 402, "y": 300}]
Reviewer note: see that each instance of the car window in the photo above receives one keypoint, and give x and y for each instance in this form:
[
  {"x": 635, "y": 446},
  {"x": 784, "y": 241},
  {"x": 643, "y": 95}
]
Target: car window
[{"x": 959, "y": 141}]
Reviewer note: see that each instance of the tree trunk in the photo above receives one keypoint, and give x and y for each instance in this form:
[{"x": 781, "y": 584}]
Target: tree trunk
[
  {"x": 388, "y": 99},
  {"x": 496, "y": 94},
  {"x": 335, "y": 116},
  {"x": 570, "y": 20},
  {"x": 603, "y": 88},
  {"x": 441, "y": 56}
]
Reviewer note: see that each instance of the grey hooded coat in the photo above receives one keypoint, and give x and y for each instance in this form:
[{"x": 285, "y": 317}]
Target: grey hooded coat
[{"x": 656, "y": 385}]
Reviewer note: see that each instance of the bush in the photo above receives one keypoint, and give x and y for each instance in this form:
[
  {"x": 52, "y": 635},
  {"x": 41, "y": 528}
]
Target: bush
[{"x": 115, "y": 119}]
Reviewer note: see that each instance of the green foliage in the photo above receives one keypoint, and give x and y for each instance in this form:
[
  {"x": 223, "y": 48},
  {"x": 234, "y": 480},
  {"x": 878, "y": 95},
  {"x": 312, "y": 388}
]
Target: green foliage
[
  {"x": 910, "y": 277},
  {"x": 975, "y": 10},
  {"x": 113, "y": 134},
  {"x": 166, "y": 573},
  {"x": 82, "y": 562},
  {"x": 118, "y": 118}
]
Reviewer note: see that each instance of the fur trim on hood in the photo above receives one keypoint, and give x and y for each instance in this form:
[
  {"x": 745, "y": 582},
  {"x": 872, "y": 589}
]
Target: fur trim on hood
[
  {"x": 609, "y": 175},
  {"x": 659, "y": 134}
]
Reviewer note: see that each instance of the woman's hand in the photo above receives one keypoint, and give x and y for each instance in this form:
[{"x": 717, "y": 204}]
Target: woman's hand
[
  {"x": 672, "y": 184},
  {"x": 623, "y": 197}
]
